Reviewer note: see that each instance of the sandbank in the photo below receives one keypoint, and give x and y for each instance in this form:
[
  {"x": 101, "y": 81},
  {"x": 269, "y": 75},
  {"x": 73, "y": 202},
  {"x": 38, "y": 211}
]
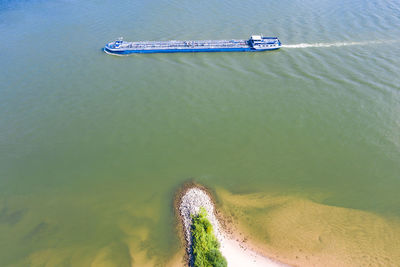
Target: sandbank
[{"x": 236, "y": 252}]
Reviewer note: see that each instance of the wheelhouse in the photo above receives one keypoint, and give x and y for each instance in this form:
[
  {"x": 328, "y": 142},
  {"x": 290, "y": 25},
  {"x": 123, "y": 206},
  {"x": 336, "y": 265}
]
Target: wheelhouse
[{"x": 261, "y": 43}]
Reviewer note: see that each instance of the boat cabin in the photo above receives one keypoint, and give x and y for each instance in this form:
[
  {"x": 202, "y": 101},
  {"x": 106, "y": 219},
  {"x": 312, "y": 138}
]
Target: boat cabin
[
  {"x": 260, "y": 42},
  {"x": 256, "y": 40}
]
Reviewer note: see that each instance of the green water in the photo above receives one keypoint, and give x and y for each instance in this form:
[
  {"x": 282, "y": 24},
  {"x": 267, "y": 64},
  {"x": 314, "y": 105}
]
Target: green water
[{"x": 93, "y": 146}]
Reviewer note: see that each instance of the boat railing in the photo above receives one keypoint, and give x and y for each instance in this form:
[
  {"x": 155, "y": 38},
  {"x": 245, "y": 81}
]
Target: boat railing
[{"x": 186, "y": 44}]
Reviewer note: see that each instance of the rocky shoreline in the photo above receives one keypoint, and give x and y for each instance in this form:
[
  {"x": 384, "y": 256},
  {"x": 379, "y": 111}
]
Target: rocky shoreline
[{"x": 188, "y": 202}]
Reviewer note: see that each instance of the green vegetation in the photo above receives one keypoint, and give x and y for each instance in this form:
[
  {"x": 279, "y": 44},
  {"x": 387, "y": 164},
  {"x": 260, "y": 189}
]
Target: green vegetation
[{"x": 205, "y": 245}]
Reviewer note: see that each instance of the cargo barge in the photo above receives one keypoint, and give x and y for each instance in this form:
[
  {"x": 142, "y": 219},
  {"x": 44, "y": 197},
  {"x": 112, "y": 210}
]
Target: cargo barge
[{"x": 256, "y": 43}]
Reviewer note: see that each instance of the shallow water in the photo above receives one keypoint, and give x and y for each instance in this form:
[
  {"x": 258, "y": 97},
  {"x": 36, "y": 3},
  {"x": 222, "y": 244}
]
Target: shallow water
[
  {"x": 92, "y": 146},
  {"x": 301, "y": 232}
]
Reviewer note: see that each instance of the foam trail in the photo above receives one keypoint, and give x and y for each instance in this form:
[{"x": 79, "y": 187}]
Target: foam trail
[{"x": 337, "y": 44}]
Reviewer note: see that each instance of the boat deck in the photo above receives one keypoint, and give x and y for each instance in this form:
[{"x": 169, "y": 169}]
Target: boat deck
[{"x": 185, "y": 44}]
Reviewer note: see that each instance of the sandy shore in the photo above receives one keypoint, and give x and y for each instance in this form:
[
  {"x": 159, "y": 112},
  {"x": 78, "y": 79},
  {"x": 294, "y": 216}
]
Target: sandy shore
[{"x": 235, "y": 252}]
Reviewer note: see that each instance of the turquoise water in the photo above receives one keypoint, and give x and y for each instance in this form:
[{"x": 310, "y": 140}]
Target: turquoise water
[{"x": 93, "y": 146}]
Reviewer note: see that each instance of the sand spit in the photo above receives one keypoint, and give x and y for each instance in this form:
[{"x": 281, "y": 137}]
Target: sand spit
[{"x": 235, "y": 252}]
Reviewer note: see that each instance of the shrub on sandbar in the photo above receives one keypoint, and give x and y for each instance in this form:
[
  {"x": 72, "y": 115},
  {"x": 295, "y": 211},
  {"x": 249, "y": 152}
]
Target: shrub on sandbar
[{"x": 205, "y": 245}]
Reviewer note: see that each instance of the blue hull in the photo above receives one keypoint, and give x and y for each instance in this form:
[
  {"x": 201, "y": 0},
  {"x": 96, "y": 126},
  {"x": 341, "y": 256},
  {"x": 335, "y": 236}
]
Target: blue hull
[{"x": 152, "y": 51}]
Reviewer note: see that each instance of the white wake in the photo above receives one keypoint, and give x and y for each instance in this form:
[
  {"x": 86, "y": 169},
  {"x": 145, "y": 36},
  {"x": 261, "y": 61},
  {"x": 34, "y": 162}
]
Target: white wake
[{"x": 337, "y": 44}]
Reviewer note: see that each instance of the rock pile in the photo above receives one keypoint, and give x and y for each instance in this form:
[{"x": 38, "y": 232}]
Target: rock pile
[{"x": 191, "y": 202}]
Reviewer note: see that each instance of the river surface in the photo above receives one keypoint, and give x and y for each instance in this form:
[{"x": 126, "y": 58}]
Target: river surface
[{"x": 93, "y": 146}]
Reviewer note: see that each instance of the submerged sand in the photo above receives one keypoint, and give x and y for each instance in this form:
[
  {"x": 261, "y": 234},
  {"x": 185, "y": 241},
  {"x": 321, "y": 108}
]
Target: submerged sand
[
  {"x": 299, "y": 231},
  {"x": 294, "y": 229},
  {"x": 274, "y": 229}
]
